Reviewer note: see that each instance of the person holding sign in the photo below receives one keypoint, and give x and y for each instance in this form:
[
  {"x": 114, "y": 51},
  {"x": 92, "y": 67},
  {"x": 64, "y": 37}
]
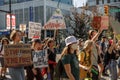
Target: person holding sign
[
  {"x": 16, "y": 73},
  {"x": 31, "y": 71},
  {"x": 4, "y": 41}
]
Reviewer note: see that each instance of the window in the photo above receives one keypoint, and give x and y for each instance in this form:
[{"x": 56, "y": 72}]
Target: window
[
  {"x": 97, "y": 1},
  {"x": 102, "y": 1},
  {"x": 108, "y": 1},
  {"x": 26, "y": 15}
]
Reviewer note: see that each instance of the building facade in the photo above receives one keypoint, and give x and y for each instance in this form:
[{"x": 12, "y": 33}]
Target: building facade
[
  {"x": 35, "y": 10},
  {"x": 102, "y": 2},
  {"x": 113, "y": 5},
  {"x": 70, "y": 2}
]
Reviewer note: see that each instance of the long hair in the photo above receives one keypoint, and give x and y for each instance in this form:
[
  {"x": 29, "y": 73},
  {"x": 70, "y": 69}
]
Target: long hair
[
  {"x": 87, "y": 44},
  {"x": 67, "y": 50},
  {"x": 3, "y": 43}
]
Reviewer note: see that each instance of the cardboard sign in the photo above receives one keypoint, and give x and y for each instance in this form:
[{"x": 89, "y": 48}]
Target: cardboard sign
[
  {"x": 34, "y": 30},
  {"x": 96, "y": 23},
  {"x": 40, "y": 59},
  {"x": 115, "y": 25},
  {"x": 104, "y": 22},
  {"x": 56, "y": 21},
  {"x": 100, "y": 22},
  {"x": 17, "y": 55}
]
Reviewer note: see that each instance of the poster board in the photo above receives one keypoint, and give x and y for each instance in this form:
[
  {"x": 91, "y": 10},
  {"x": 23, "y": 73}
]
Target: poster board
[
  {"x": 100, "y": 22},
  {"x": 96, "y": 23},
  {"x": 17, "y": 55},
  {"x": 56, "y": 21},
  {"x": 104, "y": 22},
  {"x": 40, "y": 58},
  {"x": 34, "y": 30},
  {"x": 115, "y": 25}
]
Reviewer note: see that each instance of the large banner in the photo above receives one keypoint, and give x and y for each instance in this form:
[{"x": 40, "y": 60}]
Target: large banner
[
  {"x": 100, "y": 22},
  {"x": 56, "y": 21},
  {"x": 17, "y": 55},
  {"x": 10, "y": 21},
  {"x": 40, "y": 59},
  {"x": 34, "y": 30}
]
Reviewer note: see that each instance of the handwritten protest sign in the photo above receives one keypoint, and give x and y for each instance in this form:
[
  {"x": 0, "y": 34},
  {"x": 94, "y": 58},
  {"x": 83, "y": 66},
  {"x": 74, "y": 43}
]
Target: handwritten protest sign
[
  {"x": 17, "y": 55},
  {"x": 40, "y": 59},
  {"x": 115, "y": 25},
  {"x": 100, "y": 22},
  {"x": 34, "y": 30},
  {"x": 56, "y": 21},
  {"x": 104, "y": 22},
  {"x": 96, "y": 23}
]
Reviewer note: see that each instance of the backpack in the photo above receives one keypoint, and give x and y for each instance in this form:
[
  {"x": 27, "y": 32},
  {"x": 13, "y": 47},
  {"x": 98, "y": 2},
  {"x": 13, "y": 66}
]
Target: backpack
[{"x": 58, "y": 70}]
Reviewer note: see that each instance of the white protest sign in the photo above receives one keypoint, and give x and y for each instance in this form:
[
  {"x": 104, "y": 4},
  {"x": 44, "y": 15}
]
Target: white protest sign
[
  {"x": 34, "y": 30},
  {"x": 56, "y": 21},
  {"x": 40, "y": 59}
]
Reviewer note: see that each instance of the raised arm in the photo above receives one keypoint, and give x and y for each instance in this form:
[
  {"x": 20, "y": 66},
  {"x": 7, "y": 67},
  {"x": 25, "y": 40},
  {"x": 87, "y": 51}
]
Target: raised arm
[{"x": 96, "y": 36}]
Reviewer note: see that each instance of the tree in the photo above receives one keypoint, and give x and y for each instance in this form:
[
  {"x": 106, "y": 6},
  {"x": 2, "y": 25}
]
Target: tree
[{"x": 80, "y": 22}]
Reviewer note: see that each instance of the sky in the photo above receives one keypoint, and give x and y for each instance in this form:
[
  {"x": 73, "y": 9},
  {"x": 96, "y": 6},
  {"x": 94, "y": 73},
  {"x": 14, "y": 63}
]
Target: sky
[{"x": 79, "y": 3}]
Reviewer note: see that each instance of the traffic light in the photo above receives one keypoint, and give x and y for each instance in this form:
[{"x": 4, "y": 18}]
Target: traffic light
[{"x": 106, "y": 10}]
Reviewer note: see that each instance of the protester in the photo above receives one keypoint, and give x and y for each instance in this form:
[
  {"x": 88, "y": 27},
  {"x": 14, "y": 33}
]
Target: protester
[
  {"x": 4, "y": 41},
  {"x": 110, "y": 57},
  {"x": 118, "y": 48},
  {"x": 93, "y": 35},
  {"x": 85, "y": 60},
  {"x": 17, "y": 72},
  {"x": 100, "y": 59},
  {"x": 51, "y": 57},
  {"x": 34, "y": 73},
  {"x": 104, "y": 46},
  {"x": 70, "y": 60}
]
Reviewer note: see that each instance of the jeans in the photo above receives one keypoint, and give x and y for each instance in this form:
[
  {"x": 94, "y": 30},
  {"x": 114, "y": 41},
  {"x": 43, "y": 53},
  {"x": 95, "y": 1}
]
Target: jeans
[
  {"x": 17, "y": 73},
  {"x": 113, "y": 70}
]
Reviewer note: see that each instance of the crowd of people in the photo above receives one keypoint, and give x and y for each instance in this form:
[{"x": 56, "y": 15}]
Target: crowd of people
[{"x": 81, "y": 59}]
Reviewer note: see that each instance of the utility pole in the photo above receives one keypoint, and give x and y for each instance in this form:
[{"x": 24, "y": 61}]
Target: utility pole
[{"x": 10, "y": 11}]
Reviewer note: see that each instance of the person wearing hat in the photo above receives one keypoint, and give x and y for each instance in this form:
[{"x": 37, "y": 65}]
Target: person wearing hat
[
  {"x": 93, "y": 36},
  {"x": 4, "y": 41},
  {"x": 70, "y": 60},
  {"x": 16, "y": 73},
  {"x": 85, "y": 60}
]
